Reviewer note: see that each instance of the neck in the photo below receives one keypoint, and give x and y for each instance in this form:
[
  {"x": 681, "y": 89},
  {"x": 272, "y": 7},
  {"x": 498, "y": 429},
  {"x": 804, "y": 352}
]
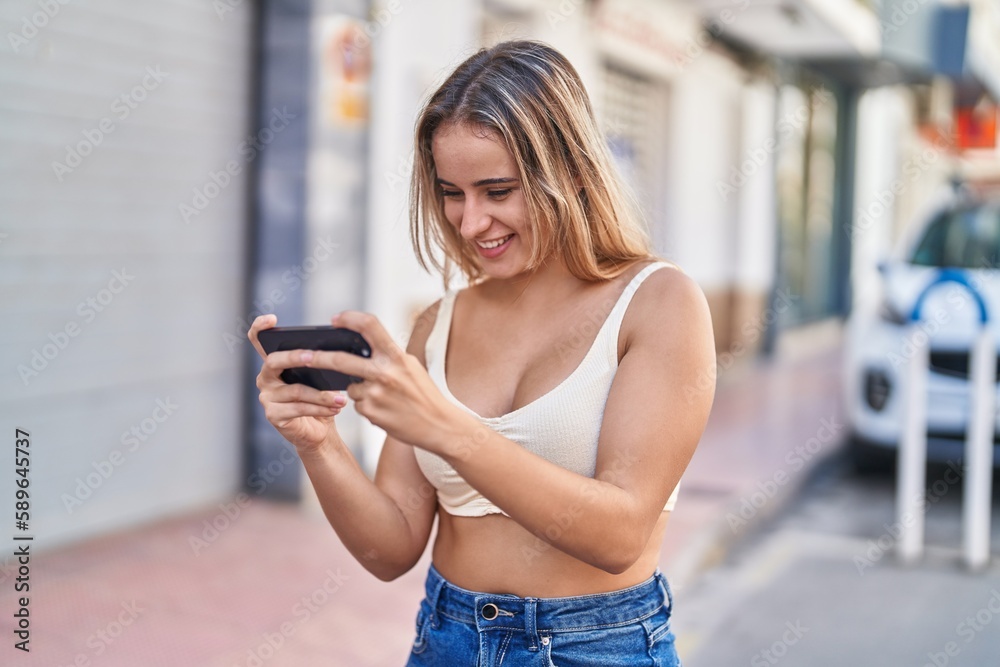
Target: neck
[{"x": 550, "y": 282}]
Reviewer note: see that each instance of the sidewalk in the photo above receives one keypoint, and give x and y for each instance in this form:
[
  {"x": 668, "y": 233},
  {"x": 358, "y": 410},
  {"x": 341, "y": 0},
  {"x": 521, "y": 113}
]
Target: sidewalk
[{"x": 277, "y": 588}]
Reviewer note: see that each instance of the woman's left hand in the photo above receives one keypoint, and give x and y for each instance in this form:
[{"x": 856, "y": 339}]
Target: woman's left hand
[{"x": 397, "y": 394}]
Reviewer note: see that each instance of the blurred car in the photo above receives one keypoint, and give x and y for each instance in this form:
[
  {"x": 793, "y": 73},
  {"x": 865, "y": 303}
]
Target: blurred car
[{"x": 961, "y": 235}]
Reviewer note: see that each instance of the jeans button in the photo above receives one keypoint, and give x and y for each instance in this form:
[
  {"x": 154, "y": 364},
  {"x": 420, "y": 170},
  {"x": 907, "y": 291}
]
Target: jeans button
[{"x": 490, "y": 611}]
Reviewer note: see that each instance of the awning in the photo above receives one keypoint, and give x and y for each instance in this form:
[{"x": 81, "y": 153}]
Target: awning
[
  {"x": 799, "y": 29},
  {"x": 904, "y": 41}
]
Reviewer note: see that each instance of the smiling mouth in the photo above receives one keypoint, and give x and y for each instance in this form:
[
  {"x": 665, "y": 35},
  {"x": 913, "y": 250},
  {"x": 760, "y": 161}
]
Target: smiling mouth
[{"x": 487, "y": 245}]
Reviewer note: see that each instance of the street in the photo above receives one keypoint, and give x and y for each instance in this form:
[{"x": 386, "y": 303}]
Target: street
[{"x": 819, "y": 585}]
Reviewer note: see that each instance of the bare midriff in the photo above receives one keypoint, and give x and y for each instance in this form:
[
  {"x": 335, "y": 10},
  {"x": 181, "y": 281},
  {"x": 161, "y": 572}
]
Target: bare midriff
[{"x": 495, "y": 554}]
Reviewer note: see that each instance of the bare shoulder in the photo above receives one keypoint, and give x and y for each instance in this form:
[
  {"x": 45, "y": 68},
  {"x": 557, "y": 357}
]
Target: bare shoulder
[
  {"x": 421, "y": 331},
  {"x": 669, "y": 309}
]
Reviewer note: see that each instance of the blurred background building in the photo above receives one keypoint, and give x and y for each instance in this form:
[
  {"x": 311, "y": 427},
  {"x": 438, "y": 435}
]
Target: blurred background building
[{"x": 173, "y": 169}]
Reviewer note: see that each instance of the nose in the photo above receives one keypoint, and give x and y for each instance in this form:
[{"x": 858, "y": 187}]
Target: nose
[{"x": 475, "y": 220}]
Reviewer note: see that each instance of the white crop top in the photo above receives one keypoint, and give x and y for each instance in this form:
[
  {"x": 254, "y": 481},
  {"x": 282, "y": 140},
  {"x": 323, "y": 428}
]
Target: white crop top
[{"x": 561, "y": 426}]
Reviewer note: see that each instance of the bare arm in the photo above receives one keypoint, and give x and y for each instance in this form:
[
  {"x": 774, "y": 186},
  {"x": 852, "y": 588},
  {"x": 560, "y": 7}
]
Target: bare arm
[
  {"x": 379, "y": 521},
  {"x": 655, "y": 414},
  {"x": 383, "y": 531}
]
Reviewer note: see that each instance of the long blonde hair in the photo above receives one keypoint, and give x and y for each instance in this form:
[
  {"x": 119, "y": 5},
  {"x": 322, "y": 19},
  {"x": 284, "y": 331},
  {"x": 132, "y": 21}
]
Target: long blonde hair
[{"x": 533, "y": 99}]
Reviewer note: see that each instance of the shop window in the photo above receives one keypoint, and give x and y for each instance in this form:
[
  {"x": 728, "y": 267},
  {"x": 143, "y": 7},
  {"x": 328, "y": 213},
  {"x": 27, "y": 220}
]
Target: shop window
[{"x": 807, "y": 134}]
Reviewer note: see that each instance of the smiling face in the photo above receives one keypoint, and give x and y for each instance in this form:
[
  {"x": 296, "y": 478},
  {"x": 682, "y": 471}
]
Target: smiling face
[{"x": 483, "y": 197}]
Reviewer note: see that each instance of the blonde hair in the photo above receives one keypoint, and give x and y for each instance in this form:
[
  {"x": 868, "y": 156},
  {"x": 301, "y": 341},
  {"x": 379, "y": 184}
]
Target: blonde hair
[{"x": 532, "y": 98}]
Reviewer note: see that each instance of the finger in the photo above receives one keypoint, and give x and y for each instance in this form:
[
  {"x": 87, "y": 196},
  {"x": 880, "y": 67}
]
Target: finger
[
  {"x": 344, "y": 362},
  {"x": 261, "y": 322},
  {"x": 278, "y": 361},
  {"x": 369, "y": 326},
  {"x": 279, "y": 412},
  {"x": 300, "y": 393},
  {"x": 356, "y": 391}
]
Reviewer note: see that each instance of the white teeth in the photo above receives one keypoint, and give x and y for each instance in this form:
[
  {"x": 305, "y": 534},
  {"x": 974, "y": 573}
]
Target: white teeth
[{"x": 495, "y": 244}]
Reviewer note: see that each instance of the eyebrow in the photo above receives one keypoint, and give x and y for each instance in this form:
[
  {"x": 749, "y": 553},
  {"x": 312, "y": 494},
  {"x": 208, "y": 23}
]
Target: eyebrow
[{"x": 480, "y": 183}]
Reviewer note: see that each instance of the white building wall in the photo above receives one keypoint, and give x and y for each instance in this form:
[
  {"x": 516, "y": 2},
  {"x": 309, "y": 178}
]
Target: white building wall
[
  {"x": 152, "y": 98},
  {"x": 419, "y": 47},
  {"x": 756, "y": 205},
  {"x": 881, "y": 124},
  {"x": 703, "y": 136},
  {"x": 566, "y": 25}
]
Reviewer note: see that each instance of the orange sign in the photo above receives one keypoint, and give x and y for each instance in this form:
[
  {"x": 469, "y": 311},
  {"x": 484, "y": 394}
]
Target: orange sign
[
  {"x": 345, "y": 71},
  {"x": 976, "y": 127}
]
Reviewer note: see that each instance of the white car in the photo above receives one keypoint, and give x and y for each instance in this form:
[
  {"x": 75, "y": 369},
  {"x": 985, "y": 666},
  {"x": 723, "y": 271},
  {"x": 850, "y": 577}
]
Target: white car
[{"x": 960, "y": 242}]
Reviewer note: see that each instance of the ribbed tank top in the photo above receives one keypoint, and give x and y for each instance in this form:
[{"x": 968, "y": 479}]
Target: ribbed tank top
[{"x": 562, "y": 426}]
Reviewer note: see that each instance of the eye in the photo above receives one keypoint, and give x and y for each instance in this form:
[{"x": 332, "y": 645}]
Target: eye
[
  {"x": 451, "y": 193},
  {"x": 499, "y": 194}
]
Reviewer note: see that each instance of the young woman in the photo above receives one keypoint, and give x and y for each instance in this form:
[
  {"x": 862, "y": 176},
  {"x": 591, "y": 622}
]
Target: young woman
[{"x": 544, "y": 414}]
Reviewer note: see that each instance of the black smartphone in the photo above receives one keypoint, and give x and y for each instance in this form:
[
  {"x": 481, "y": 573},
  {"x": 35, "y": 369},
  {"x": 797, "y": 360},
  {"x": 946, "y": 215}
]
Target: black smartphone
[{"x": 327, "y": 338}]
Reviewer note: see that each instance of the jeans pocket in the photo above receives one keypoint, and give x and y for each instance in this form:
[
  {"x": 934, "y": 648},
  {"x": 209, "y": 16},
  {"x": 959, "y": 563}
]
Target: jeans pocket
[{"x": 423, "y": 621}]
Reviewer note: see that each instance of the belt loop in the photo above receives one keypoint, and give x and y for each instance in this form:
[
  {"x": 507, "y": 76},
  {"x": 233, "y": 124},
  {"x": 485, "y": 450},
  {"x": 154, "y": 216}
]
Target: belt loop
[
  {"x": 437, "y": 583},
  {"x": 530, "y": 624},
  {"x": 665, "y": 585}
]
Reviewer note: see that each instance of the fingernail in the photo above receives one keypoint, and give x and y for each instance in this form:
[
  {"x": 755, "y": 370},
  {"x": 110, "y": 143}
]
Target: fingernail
[
  {"x": 339, "y": 400},
  {"x": 306, "y": 356}
]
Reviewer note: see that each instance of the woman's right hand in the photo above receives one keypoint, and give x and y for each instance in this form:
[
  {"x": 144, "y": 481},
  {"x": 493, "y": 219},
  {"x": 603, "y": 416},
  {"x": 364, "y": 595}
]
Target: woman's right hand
[{"x": 302, "y": 415}]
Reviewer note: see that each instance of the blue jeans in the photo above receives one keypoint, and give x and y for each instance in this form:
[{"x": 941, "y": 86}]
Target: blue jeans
[{"x": 460, "y": 627}]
